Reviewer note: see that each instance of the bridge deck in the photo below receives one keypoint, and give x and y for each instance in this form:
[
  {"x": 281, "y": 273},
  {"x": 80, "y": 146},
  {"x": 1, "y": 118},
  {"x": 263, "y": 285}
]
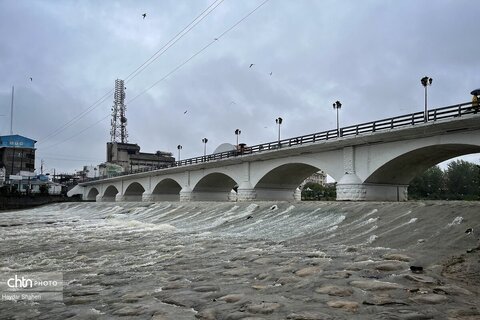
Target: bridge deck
[{"x": 408, "y": 121}]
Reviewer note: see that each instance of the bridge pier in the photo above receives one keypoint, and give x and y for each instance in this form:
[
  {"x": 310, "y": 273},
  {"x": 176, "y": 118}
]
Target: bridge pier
[
  {"x": 120, "y": 198},
  {"x": 100, "y": 198},
  {"x": 186, "y": 194},
  {"x": 350, "y": 187},
  {"x": 245, "y": 192}
]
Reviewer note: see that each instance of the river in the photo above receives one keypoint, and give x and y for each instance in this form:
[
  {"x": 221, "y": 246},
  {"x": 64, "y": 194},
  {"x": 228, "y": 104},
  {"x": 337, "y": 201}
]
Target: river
[{"x": 257, "y": 260}]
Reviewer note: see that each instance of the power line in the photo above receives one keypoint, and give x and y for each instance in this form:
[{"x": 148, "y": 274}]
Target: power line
[
  {"x": 139, "y": 69},
  {"x": 172, "y": 41},
  {"x": 77, "y": 117},
  {"x": 198, "y": 52},
  {"x": 76, "y": 134},
  {"x": 170, "y": 73}
]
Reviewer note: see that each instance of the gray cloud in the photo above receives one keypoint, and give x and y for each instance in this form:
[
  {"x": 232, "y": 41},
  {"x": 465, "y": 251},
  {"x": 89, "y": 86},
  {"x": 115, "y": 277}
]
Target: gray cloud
[{"x": 368, "y": 54}]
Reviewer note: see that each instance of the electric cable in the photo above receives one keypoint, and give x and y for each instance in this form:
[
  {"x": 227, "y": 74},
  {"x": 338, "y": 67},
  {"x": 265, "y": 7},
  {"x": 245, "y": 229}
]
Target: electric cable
[
  {"x": 139, "y": 69},
  {"x": 198, "y": 52},
  {"x": 168, "y": 74}
]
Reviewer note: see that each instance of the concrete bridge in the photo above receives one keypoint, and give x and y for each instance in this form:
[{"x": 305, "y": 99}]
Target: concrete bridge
[{"x": 371, "y": 161}]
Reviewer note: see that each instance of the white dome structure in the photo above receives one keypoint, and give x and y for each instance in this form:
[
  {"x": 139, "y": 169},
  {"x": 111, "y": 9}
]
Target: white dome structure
[{"x": 224, "y": 147}]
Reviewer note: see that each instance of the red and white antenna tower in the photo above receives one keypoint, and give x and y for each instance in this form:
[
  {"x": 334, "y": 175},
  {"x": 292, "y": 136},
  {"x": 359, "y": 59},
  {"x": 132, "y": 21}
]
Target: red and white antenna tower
[{"x": 118, "y": 132}]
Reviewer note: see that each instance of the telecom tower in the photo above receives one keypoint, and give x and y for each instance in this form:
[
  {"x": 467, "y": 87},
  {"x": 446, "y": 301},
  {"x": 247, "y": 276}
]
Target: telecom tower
[{"x": 118, "y": 132}]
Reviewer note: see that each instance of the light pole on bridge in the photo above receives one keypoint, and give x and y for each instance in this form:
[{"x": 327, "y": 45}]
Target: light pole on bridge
[
  {"x": 337, "y": 105},
  {"x": 237, "y": 133},
  {"x": 426, "y": 81},
  {"x": 204, "y": 140},
  {"x": 179, "y": 147},
  {"x": 279, "y": 122}
]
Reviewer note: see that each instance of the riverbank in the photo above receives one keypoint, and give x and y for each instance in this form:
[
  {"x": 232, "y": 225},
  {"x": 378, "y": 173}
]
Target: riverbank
[{"x": 18, "y": 201}]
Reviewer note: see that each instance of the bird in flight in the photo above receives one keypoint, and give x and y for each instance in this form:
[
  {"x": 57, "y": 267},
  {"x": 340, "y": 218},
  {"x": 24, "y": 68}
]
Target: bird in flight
[
  {"x": 251, "y": 65},
  {"x": 144, "y": 15},
  {"x": 271, "y": 73},
  {"x": 31, "y": 79},
  {"x": 185, "y": 112}
]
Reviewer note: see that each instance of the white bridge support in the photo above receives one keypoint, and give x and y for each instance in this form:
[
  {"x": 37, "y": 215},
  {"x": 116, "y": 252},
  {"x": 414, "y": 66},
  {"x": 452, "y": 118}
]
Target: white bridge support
[{"x": 371, "y": 166}]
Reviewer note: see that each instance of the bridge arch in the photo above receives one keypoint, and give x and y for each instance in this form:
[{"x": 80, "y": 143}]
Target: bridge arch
[
  {"x": 214, "y": 186},
  {"x": 401, "y": 169},
  {"x": 133, "y": 192},
  {"x": 109, "y": 194},
  {"x": 281, "y": 182},
  {"x": 166, "y": 190},
  {"x": 92, "y": 194}
]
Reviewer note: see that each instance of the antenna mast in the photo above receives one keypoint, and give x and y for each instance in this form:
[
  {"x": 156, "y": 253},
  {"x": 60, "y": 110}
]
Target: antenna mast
[
  {"x": 11, "y": 112},
  {"x": 118, "y": 132}
]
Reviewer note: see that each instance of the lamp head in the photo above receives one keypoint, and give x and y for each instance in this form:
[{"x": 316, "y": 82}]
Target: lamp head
[{"x": 426, "y": 81}]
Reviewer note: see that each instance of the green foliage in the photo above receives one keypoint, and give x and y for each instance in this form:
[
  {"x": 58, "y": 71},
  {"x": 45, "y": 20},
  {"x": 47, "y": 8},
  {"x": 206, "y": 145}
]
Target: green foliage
[
  {"x": 460, "y": 181},
  {"x": 429, "y": 185},
  {"x": 315, "y": 191}
]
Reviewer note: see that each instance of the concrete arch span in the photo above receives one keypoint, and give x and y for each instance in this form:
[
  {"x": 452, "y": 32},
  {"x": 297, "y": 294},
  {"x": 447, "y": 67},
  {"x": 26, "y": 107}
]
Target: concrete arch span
[
  {"x": 92, "y": 194},
  {"x": 110, "y": 193},
  {"x": 213, "y": 187},
  {"x": 281, "y": 182},
  {"x": 402, "y": 169},
  {"x": 133, "y": 192},
  {"x": 166, "y": 190}
]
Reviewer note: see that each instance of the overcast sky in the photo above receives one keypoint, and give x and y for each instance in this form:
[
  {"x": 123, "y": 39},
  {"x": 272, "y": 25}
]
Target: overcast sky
[{"x": 307, "y": 54}]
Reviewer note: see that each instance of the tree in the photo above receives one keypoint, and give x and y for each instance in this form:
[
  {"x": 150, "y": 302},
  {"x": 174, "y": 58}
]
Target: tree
[
  {"x": 463, "y": 180},
  {"x": 429, "y": 185},
  {"x": 315, "y": 191}
]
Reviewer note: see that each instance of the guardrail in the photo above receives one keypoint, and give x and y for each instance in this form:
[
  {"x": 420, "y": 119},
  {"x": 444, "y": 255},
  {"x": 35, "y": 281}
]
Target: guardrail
[{"x": 412, "y": 119}]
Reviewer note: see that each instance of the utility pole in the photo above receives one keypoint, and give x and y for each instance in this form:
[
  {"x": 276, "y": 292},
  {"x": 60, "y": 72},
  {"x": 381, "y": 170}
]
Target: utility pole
[{"x": 11, "y": 111}]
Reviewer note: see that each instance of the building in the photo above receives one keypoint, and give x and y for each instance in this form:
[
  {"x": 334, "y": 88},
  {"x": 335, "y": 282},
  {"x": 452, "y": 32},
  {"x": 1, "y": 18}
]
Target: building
[
  {"x": 17, "y": 153},
  {"x": 318, "y": 177},
  {"x": 129, "y": 157}
]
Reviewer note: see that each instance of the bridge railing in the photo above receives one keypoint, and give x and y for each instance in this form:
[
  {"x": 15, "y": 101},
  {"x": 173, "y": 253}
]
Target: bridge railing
[{"x": 411, "y": 119}]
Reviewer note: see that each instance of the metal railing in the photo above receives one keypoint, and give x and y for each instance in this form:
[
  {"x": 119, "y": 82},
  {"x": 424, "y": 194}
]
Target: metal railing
[{"x": 412, "y": 119}]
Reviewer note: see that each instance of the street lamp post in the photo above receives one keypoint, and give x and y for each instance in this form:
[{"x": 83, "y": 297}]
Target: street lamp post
[
  {"x": 337, "y": 105},
  {"x": 426, "y": 81},
  {"x": 179, "y": 147},
  {"x": 237, "y": 133},
  {"x": 205, "y": 140},
  {"x": 279, "y": 122}
]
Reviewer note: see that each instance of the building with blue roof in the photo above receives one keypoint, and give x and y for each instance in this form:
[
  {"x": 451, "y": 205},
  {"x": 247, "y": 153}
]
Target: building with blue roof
[{"x": 17, "y": 153}]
